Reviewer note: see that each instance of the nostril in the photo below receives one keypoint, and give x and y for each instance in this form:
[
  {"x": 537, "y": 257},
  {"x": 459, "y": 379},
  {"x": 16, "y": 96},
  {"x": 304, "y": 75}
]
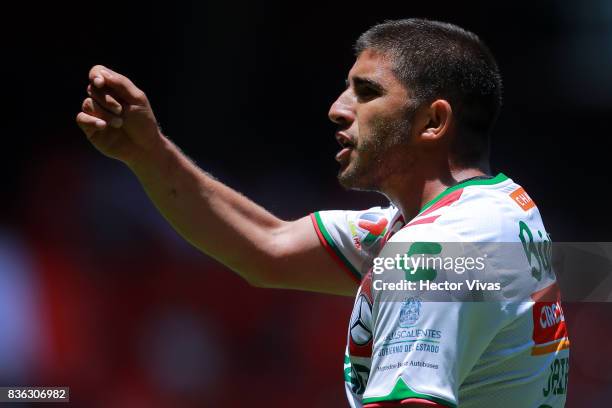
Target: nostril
[
  {"x": 335, "y": 117},
  {"x": 340, "y": 116}
]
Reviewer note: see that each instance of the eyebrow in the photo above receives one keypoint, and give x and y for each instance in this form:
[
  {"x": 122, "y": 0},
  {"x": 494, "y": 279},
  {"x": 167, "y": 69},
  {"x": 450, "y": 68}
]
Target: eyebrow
[{"x": 365, "y": 81}]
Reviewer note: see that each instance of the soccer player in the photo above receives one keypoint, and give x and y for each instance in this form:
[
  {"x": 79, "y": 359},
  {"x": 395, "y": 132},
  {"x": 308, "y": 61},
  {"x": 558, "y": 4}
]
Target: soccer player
[{"x": 413, "y": 124}]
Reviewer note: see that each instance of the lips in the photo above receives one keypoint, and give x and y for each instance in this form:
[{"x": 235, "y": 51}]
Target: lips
[
  {"x": 345, "y": 140},
  {"x": 342, "y": 155},
  {"x": 347, "y": 144}
]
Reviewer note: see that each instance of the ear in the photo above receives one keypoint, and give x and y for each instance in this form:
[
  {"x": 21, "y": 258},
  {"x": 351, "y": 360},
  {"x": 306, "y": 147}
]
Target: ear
[{"x": 434, "y": 121}]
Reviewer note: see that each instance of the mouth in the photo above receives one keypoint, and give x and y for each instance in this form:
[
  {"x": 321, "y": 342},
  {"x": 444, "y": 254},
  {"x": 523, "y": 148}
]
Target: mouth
[{"x": 347, "y": 144}]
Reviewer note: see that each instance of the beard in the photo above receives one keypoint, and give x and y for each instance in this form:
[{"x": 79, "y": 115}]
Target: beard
[{"x": 371, "y": 159}]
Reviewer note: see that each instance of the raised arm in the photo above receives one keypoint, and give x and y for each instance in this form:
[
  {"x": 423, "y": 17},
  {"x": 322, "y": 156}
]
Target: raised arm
[{"x": 265, "y": 250}]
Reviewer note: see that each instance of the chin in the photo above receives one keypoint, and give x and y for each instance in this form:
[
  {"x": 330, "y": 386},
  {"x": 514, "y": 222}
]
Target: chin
[
  {"x": 353, "y": 180},
  {"x": 346, "y": 182}
]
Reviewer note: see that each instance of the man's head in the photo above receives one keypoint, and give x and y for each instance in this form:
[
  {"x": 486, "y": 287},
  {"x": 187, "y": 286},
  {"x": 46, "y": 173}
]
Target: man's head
[{"x": 416, "y": 84}]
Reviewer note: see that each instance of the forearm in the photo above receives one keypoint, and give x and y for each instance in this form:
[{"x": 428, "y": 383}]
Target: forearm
[
  {"x": 216, "y": 219},
  {"x": 118, "y": 120}
]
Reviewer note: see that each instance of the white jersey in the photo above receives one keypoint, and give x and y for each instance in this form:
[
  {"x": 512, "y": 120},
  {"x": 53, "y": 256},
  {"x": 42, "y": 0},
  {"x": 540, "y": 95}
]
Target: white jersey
[
  {"x": 503, "y": 346},
  {"x": 355, "y": 238}
]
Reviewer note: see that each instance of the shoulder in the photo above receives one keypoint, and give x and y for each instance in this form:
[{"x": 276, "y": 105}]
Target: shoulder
[
  {"x": 379, "y": 211},
  {"x": 476, "y": 213},
  {"x": 374, "y": 222}
]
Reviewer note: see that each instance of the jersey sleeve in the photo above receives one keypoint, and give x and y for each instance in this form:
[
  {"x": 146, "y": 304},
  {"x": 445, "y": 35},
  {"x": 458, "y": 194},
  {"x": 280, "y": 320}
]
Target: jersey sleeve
[
  {"x": 353, "y": 238},
  {"x": 426, "y": 341}
]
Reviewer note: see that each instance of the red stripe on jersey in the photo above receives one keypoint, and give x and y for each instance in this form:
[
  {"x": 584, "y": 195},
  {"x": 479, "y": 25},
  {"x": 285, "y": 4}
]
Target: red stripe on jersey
[
  {"x": 330, "y": 250},
  {"x": 444, "y": 201},
  {"x": 426, "y": 220}
]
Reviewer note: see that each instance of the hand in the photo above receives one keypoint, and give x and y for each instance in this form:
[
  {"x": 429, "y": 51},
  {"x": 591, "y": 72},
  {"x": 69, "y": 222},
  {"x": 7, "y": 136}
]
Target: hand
[{"x": 117, "y": 117}]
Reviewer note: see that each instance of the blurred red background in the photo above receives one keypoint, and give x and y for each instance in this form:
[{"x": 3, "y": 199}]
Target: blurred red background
[{"x": 99, "y": 294}]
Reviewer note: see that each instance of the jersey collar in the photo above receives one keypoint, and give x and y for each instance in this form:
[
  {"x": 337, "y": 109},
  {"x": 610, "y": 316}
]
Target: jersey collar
[{"x": 473, "y": 181}]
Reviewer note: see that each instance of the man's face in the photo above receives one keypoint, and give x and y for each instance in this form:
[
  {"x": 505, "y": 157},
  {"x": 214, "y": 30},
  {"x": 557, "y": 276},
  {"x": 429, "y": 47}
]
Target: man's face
[{"x": 373, "y": 118}]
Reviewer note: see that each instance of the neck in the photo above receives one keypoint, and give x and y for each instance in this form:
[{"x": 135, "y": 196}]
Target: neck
[{"x": 412, "y": 193}]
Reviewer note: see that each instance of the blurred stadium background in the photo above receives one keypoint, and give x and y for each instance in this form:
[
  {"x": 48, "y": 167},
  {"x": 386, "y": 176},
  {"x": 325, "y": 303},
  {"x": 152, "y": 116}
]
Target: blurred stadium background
[{"x": 98, "y": 293}]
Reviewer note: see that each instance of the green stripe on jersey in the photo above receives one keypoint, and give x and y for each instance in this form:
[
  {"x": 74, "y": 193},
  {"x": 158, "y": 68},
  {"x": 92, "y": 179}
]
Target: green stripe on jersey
[{"x": 402, "y": 391}]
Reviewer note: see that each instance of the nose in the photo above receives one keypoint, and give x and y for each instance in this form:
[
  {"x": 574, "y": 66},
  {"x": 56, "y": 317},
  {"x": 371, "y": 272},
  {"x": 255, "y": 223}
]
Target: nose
[{"x": 341, "y": 112}]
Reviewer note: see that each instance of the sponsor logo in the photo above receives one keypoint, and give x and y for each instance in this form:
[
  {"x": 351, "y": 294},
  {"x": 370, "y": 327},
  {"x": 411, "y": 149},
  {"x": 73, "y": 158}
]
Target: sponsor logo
[
  {"x": 356, "y": 375},
  {"x": 360, "y": 338},
  {"x": 410, "y": 363},
  {"x": 361, "y": 321},
  {"x": 549, "y": 329},
  {"x": 411, "y": 334},
  {"x": 410, "y": 312},
  {"x": 538, "y": 250},
  {"x": 521, "y": 197},
  {"x": 557, "y": 377},
  {"x": 424, "y": 364},
  {"x": 410, "y": 347},
  {"x": 551, "y": 315},
  {"x": 360, "y": 324}
]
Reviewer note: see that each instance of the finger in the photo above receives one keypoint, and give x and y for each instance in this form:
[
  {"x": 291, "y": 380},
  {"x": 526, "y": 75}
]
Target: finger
[
  {"x": 95, "y": 78},
  {"x": 105, "y": 100},
  {"x": 90, "y": 124},
  {"x": 93, "y": 108},
  {"x": 122, "y": 87}
]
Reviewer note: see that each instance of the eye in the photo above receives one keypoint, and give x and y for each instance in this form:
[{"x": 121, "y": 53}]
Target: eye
[{"x": 366, "y": 92}]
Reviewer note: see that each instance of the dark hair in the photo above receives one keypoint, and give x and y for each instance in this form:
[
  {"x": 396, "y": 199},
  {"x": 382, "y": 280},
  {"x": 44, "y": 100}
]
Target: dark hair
[{"x": 441, "y": 60}]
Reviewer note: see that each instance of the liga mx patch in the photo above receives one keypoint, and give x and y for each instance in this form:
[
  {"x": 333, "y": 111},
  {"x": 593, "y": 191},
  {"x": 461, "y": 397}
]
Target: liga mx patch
[
  {"x": 374, "y": 224},
  {"x": 521, "y": 197}
]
